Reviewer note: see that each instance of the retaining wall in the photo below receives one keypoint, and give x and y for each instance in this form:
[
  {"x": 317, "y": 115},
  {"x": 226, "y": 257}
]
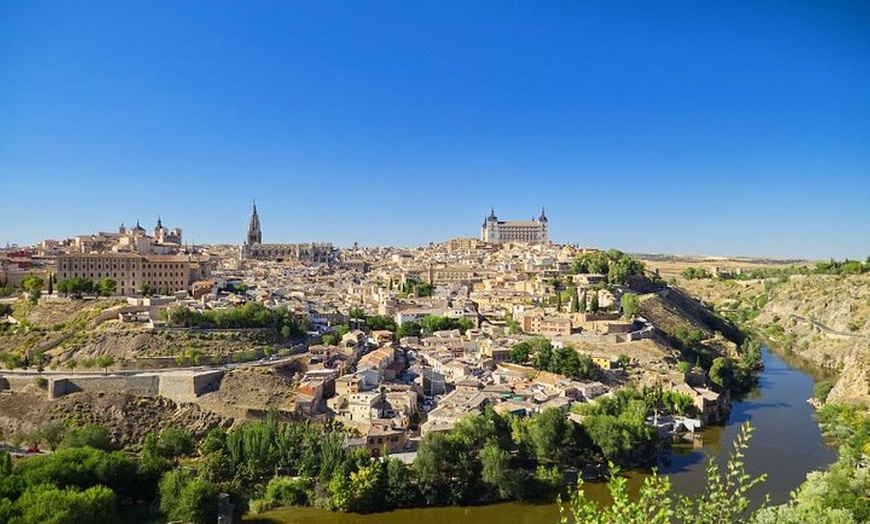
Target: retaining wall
[
  {"x": 145, "y": 385},
  {"x": 15, "y": 383},
  {"x": 179, "y": 386}
]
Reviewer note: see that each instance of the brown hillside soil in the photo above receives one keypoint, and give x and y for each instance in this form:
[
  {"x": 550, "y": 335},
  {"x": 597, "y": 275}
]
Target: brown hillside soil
[
  {"x": 52, "y": 321},
  {"x": 667, "y": 316},
  {"x": 130, "y": 343},
  {"x": 825, "y": 319},
  {"x": 127, "y": 417},
  {"x": 248, "y": 392}
]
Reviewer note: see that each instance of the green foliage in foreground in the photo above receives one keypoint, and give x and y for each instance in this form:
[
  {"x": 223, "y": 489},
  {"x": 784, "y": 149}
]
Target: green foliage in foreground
[{"x": 725, "y": 499}]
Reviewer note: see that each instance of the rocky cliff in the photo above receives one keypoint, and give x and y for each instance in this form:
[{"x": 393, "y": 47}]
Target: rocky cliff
[
  {"x": 824, "y": 319},
  {"x": 821, "y": 318}
]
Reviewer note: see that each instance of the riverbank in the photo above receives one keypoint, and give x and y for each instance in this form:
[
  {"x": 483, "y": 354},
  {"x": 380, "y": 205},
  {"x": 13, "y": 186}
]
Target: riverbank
[{"x": 777, "y": 408}]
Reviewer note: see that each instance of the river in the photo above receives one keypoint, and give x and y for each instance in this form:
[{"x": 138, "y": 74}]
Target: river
[{"x": 785, "y": 445}]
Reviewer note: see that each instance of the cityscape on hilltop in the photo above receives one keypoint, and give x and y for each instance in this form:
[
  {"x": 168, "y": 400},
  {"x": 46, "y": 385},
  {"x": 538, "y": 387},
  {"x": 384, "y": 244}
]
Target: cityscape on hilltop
[{"x": 384, "y": 351}]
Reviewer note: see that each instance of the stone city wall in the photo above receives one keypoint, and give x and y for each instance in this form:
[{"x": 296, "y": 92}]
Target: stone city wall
[
  {"x": 15, "y": 383},
  {"x": 179, "y": 386},
  {"x": 146, "y": 385},
  {"x": 187, "y": 386}
]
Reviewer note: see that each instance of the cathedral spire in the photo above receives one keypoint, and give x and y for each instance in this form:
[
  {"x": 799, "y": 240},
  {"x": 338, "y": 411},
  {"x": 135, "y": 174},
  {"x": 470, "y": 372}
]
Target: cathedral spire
[{"x": 255, "y": 235}]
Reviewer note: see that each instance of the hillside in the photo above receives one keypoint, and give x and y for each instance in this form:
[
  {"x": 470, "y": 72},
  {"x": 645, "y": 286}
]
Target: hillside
[
  {"x": 822, "y": 318},
  {"x": 249, "y": 392},
  {"x": 66, "y": 329},
  {"x": 128, "y": 418}
]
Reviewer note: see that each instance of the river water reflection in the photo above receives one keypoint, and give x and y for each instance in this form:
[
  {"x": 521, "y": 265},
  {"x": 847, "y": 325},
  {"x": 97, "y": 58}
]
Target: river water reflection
[{"x": 786, "y": 445}]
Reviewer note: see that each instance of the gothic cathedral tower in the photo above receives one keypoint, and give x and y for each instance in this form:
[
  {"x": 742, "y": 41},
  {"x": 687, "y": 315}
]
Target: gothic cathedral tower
[{"x": 255, "y": 236}]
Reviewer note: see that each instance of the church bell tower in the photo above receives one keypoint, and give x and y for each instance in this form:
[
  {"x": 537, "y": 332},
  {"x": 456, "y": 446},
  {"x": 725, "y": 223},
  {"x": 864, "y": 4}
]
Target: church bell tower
[{"x": 255, "y": 236}]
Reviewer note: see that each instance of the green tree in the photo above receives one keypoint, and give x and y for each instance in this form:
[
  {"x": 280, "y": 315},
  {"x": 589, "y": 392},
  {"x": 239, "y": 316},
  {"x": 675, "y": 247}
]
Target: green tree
[
  {"x": 722, "y": 372},
  {"x": 89, "y": 435},
  {"x": 32, "y": 283},
  {"x": 583, "y": 305},
  {"x": 33, "y": 296},
  {"x": 215, "y": 440},
  {"x": 188, "y": 499},
  {"x": 550, "y": 434},
  {"x": 106, "y": 286},
  {"x": 401, "y": 487},
  {"x": 630, "y": 303},
  {"x": 695, "y": 272},
  {"x": 152, "y": 465},
  {"x": 76, "y": 286},
  {"x": 423, "y": 289},
  {"x": 175, "y": 442},
  {"x": 496, "y": 471},
  {"x": 5, "y": 464},
  {"x": 51, "y": 433},
  {"x": 520, "y": 352},
  {"x": 105, "y": 362},
  {"x": 676, "y": 402},
  {"x": 357, "y": 313},
  {"x": 286, "y": 491},
  {"x": 49, "y": 504},
  {"x": 542, "y": 353},
  {"x": 379, "y": 322},
  {"x": 367, "y": 493},
  {"x": 408, "y": 329},
  {"x": 566, "y": 361},
  {"x": 593, "y": 303},
  {"x": 444, "y": 469}
]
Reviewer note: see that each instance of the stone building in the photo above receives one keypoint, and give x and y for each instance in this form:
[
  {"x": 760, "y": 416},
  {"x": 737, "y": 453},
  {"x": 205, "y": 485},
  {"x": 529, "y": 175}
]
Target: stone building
[
  {"x": 536, "y": 323},
  {"x": 312, "y": 253},
  {"x": 495, "y": 231},
  {"x": 161, "y": 273}
]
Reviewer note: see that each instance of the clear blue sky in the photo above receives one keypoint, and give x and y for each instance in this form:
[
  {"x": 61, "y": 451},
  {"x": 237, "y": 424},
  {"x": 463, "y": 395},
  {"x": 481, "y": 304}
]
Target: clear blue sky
[{"x": 684, "y": 127}]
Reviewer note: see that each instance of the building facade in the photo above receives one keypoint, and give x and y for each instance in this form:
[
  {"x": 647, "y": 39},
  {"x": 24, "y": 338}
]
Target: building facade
[
  {"x": 132, "y": 272},
  {"x": 535, "y": 323},
  {"x": 495, "y": 231},
  {"x": 312, "y": 253}
]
